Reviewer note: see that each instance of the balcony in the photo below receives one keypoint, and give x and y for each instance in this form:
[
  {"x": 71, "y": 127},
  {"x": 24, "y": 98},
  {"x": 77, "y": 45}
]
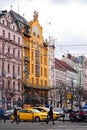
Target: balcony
[
  {"x": 3, "y": 73},
  {"x": 26, "y": 59},
  {"x": 12, "y": 92},
  {"x": 14, "y": 75}
]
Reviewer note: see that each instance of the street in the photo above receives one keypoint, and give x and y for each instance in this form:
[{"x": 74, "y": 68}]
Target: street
[{"x": 59, "y": 125}]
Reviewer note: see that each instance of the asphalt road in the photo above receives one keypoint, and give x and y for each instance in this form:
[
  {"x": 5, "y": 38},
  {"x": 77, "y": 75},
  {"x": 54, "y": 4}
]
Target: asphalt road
[{"x": 59, "y": 125}]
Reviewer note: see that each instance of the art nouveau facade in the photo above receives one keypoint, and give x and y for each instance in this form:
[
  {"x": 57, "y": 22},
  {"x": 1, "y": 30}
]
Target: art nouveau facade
[
  {"x": 10, "y": 62},
  {"x": 36, "y": 91}
]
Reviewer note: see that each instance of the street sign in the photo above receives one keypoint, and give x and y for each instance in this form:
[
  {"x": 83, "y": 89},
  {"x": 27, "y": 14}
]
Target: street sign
[{"x": 69, "y": 95}]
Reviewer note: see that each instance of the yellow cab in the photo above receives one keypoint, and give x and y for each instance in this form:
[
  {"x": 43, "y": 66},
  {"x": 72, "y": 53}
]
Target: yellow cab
[
  {"x": 56, "y": 115},
  {"x": 31, "y": 114}
]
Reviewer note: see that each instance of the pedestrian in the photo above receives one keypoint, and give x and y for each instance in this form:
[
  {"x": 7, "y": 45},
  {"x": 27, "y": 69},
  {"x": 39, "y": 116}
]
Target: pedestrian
[
  {"x": 50, "y": 116},
  {"x": 63, "y": 117},
  {"x": 15, "y": 116},
  {"x": 2, "y": 115}
]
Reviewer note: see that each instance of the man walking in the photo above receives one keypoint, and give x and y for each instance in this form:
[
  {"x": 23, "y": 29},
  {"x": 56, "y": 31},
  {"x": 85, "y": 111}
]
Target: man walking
[
  {"x": 50, "y": 116},
  {"x": 15, "y": 116}
]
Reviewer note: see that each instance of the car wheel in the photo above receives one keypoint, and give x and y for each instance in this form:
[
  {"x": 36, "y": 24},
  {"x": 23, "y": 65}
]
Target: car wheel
[{"x": 37, "y": 118}]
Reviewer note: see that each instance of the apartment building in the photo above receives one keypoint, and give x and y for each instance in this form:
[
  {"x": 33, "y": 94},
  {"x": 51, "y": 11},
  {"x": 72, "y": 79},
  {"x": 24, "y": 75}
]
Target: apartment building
[{"x": 10, "y": 62}]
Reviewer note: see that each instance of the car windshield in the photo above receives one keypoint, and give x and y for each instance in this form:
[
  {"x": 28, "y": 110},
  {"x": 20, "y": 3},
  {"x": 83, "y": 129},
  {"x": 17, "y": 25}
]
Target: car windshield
[
  {"x": 46, "y": 109},
  {"x": 58, "y": 109},
  {"x": 35, "y": 110}
]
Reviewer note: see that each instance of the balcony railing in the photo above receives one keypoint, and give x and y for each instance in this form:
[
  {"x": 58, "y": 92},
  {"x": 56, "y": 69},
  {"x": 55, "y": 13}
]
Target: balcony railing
[
  {"x": 3, "y": 72},
  {"x": 14, "y": 75}
]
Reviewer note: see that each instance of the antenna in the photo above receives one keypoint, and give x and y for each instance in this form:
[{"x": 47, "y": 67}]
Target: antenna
[
  {"x": 23, "y": 14},
  {"x": 18, "y": 8},
  {"x": 11, "y": 7}
]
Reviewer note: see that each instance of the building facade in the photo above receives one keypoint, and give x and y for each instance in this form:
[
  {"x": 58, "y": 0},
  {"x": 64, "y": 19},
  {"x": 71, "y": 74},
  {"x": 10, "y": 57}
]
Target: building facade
[
  {"x": 10, "y": 62},
  {"x": 36, "y": 93}
]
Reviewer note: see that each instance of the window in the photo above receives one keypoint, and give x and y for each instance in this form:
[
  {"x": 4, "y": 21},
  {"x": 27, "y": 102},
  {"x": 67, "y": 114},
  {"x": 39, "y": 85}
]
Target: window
[
  {"x": 8, "y": 68},
  {"x": 9, "y": 36},
  {"x": 32, "y": 68},
  {"x": 38, "y": 35},
  {"x": 13, "y": 52},
  {"x": 18, "y": 70},
  {"x": 45, "y": 72},
  {"x": 13, "y": 69},
  {"x": 14, "y": 38},
  {"x": 8, "y": 84},
  {"x": 45, "y": 60},
  {"x": 3, "y": 33},
  {"x": 8, "y": 24},
  {"x": 8, "y": 50},
  {"x": 45, "y": 83},
  {"x": 18, "y": 86},
  {"x": 18, "y": 54},
  {"x": 13, "y": 85},
  {"x": 41, "y": 60},
  {"x": 18, "y": 40},
  {"x": 3, "y": 22},
  {"x": 13, "y": 27},
  {"x": 34, "y": 33},
  {"x": 32, "y": 55}
]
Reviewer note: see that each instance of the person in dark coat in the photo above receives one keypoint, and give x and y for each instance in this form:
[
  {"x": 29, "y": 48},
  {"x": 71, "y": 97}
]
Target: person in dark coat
[
  {"x": 50, "y": 116},
  {"x": 15, "y": 116}
]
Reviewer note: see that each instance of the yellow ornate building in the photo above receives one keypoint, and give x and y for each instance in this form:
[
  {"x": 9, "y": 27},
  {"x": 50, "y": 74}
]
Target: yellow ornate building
[{"x": 35, "y": 76}]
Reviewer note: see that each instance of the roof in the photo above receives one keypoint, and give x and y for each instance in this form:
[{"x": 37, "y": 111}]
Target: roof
[
  {"x": 20, "y": 21},
  {"x": 65, "y": 65},
  {"x": 18, "y": 17},
  {"x": 58, "y": 65}
]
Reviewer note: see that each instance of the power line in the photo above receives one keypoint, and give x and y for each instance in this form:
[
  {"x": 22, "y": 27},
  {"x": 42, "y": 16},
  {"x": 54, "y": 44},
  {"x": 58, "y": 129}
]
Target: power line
[{"x": 71, "y": 45}]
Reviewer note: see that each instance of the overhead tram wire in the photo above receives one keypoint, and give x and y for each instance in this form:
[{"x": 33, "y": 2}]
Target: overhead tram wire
[{"x": 71, "y": 45}]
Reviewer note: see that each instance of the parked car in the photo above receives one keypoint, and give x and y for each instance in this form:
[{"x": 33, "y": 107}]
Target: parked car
[
  {"x": 60, "y": 111},
  {"x": 56, "y": 115},
  {"x": 8, "y": 113},
  {"x": 31, "y": 114}
]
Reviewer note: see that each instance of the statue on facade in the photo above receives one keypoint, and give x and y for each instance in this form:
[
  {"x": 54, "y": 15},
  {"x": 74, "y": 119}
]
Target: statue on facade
[{"x": 35, "y": 16}]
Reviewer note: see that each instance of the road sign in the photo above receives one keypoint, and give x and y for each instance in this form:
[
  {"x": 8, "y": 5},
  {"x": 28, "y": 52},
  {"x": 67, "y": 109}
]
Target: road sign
[{"x": 69, "y": 95}]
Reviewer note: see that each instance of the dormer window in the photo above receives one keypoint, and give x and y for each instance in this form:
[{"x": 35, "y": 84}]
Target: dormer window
[
  {"x": 13, "y": 27},
  {"x": 8, "y": 24},
  {"x": 3, "y": 22}
]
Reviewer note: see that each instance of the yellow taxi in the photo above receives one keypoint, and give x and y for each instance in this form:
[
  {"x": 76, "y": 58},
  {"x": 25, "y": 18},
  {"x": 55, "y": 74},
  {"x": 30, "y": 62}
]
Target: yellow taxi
[
  {"x": 31, "y": 114},
  {"x": 56, "y": 115}
]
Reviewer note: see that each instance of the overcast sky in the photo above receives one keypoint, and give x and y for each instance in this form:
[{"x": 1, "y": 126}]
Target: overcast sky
[{"x": 68, "y": 20}]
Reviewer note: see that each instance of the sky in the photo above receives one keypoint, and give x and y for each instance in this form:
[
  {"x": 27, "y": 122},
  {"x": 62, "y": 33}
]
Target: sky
[{"x": 67, "y": 18}]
